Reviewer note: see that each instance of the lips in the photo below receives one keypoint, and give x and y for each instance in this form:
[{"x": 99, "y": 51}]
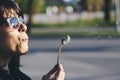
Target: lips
[{"x": 24, "y": 39}]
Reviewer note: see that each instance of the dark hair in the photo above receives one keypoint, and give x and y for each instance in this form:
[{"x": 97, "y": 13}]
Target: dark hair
[{"x": 5, "y": 8}]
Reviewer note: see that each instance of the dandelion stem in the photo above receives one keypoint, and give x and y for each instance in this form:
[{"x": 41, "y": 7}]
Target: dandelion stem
[{"x": 59, "y": 52}]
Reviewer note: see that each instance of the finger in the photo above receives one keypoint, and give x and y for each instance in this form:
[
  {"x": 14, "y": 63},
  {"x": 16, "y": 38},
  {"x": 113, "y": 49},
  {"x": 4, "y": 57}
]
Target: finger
[
  {"x": 52, "y": 71},
  {"x": 49, "y": 74},
  {"x": 60, "y": 74},
  {"x": 60, "y": 67},
  {"x": 45, "y": 77}
]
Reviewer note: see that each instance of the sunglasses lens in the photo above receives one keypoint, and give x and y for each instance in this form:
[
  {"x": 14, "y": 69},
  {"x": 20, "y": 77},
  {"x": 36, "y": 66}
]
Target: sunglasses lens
[{"x": 14, "y": 23}]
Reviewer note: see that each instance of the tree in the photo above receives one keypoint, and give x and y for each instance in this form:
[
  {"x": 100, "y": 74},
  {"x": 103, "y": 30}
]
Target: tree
[
  {"x": 95, "y": 5},
  {"x": 107, "y": 10},
  {"x": 23, "y": 5},
  {"x": 30, "y": 15}
]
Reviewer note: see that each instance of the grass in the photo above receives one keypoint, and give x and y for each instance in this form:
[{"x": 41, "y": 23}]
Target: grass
[
  {"x": 97, "y": 22},
  {"x": 77, "y": 34}
]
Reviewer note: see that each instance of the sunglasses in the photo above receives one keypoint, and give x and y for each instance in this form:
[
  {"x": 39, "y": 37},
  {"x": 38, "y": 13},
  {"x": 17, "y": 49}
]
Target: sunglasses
[{"x": 14, "y": 22}]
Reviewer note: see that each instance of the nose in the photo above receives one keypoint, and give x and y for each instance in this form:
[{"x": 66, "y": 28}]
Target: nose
[{"x": 22, "y": 27}]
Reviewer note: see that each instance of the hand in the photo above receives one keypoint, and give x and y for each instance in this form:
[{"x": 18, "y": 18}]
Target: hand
[{"x": 57, "y": 73}]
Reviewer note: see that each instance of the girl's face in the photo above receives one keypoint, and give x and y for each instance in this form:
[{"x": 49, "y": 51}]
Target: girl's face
[{"x": 13, "y": 37}]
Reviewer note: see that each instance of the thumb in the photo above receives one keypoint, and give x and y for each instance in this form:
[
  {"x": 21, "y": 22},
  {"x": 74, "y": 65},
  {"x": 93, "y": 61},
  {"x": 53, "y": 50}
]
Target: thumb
[{"x": 60, "y": 74}]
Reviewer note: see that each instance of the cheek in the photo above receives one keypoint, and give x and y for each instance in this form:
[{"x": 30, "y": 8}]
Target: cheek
[
  {"x": 8, "y": 42},
  {"x": 11, "y": 41}
]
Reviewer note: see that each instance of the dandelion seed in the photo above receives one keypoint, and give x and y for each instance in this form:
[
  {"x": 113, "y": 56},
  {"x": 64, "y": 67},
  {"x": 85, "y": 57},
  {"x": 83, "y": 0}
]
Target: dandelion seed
[{"x": 64, "y": 41}]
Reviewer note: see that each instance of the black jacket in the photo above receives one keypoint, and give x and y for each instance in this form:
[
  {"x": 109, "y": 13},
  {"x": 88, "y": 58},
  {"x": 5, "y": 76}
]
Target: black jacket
[{"x": 14, "y": 72}]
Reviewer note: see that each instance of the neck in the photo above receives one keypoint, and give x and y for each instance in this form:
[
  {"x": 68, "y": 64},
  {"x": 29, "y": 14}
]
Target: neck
[{"x": 4, "y": 60}]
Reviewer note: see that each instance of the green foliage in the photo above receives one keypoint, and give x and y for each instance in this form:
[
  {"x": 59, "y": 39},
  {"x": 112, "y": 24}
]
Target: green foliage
[
  {"x": 37, "y": 5},
  {"x": 54, "y": 2},
  {"x": 97, "y": 22},
  {"x": 77, "y": 34},
  {"x": 23, "y": 5}
]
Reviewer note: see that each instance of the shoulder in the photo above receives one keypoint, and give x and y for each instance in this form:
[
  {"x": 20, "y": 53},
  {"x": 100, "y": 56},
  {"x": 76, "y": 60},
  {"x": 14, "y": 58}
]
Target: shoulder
[{"x": 19, "y": 75}]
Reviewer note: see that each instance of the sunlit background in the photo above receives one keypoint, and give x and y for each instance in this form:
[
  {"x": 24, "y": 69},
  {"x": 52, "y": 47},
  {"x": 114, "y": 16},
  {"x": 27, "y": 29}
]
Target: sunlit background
[
  {"x": 71, "y": 16},
  {"x": 92, "y": 54}
]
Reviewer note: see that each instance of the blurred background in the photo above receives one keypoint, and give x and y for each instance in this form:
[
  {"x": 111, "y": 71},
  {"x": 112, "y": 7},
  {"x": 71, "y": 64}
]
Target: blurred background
[
  {"x": 92, "y": 54},
  {"x": 71, "y": 16}
]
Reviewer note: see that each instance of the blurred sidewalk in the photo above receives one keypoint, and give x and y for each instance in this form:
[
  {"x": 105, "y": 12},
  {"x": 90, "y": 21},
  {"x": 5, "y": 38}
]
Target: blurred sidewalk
[{"x": 82, "y": 59}]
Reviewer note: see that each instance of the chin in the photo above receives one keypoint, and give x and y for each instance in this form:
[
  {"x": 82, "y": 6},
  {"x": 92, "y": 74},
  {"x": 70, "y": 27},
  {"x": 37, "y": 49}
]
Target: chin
[
  {"x": 22, "y": 53},
  {"x": 22, "y": 50}
]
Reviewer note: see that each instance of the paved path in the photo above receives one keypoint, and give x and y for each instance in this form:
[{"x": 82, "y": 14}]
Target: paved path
[{"x": 83, "y": 59}]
